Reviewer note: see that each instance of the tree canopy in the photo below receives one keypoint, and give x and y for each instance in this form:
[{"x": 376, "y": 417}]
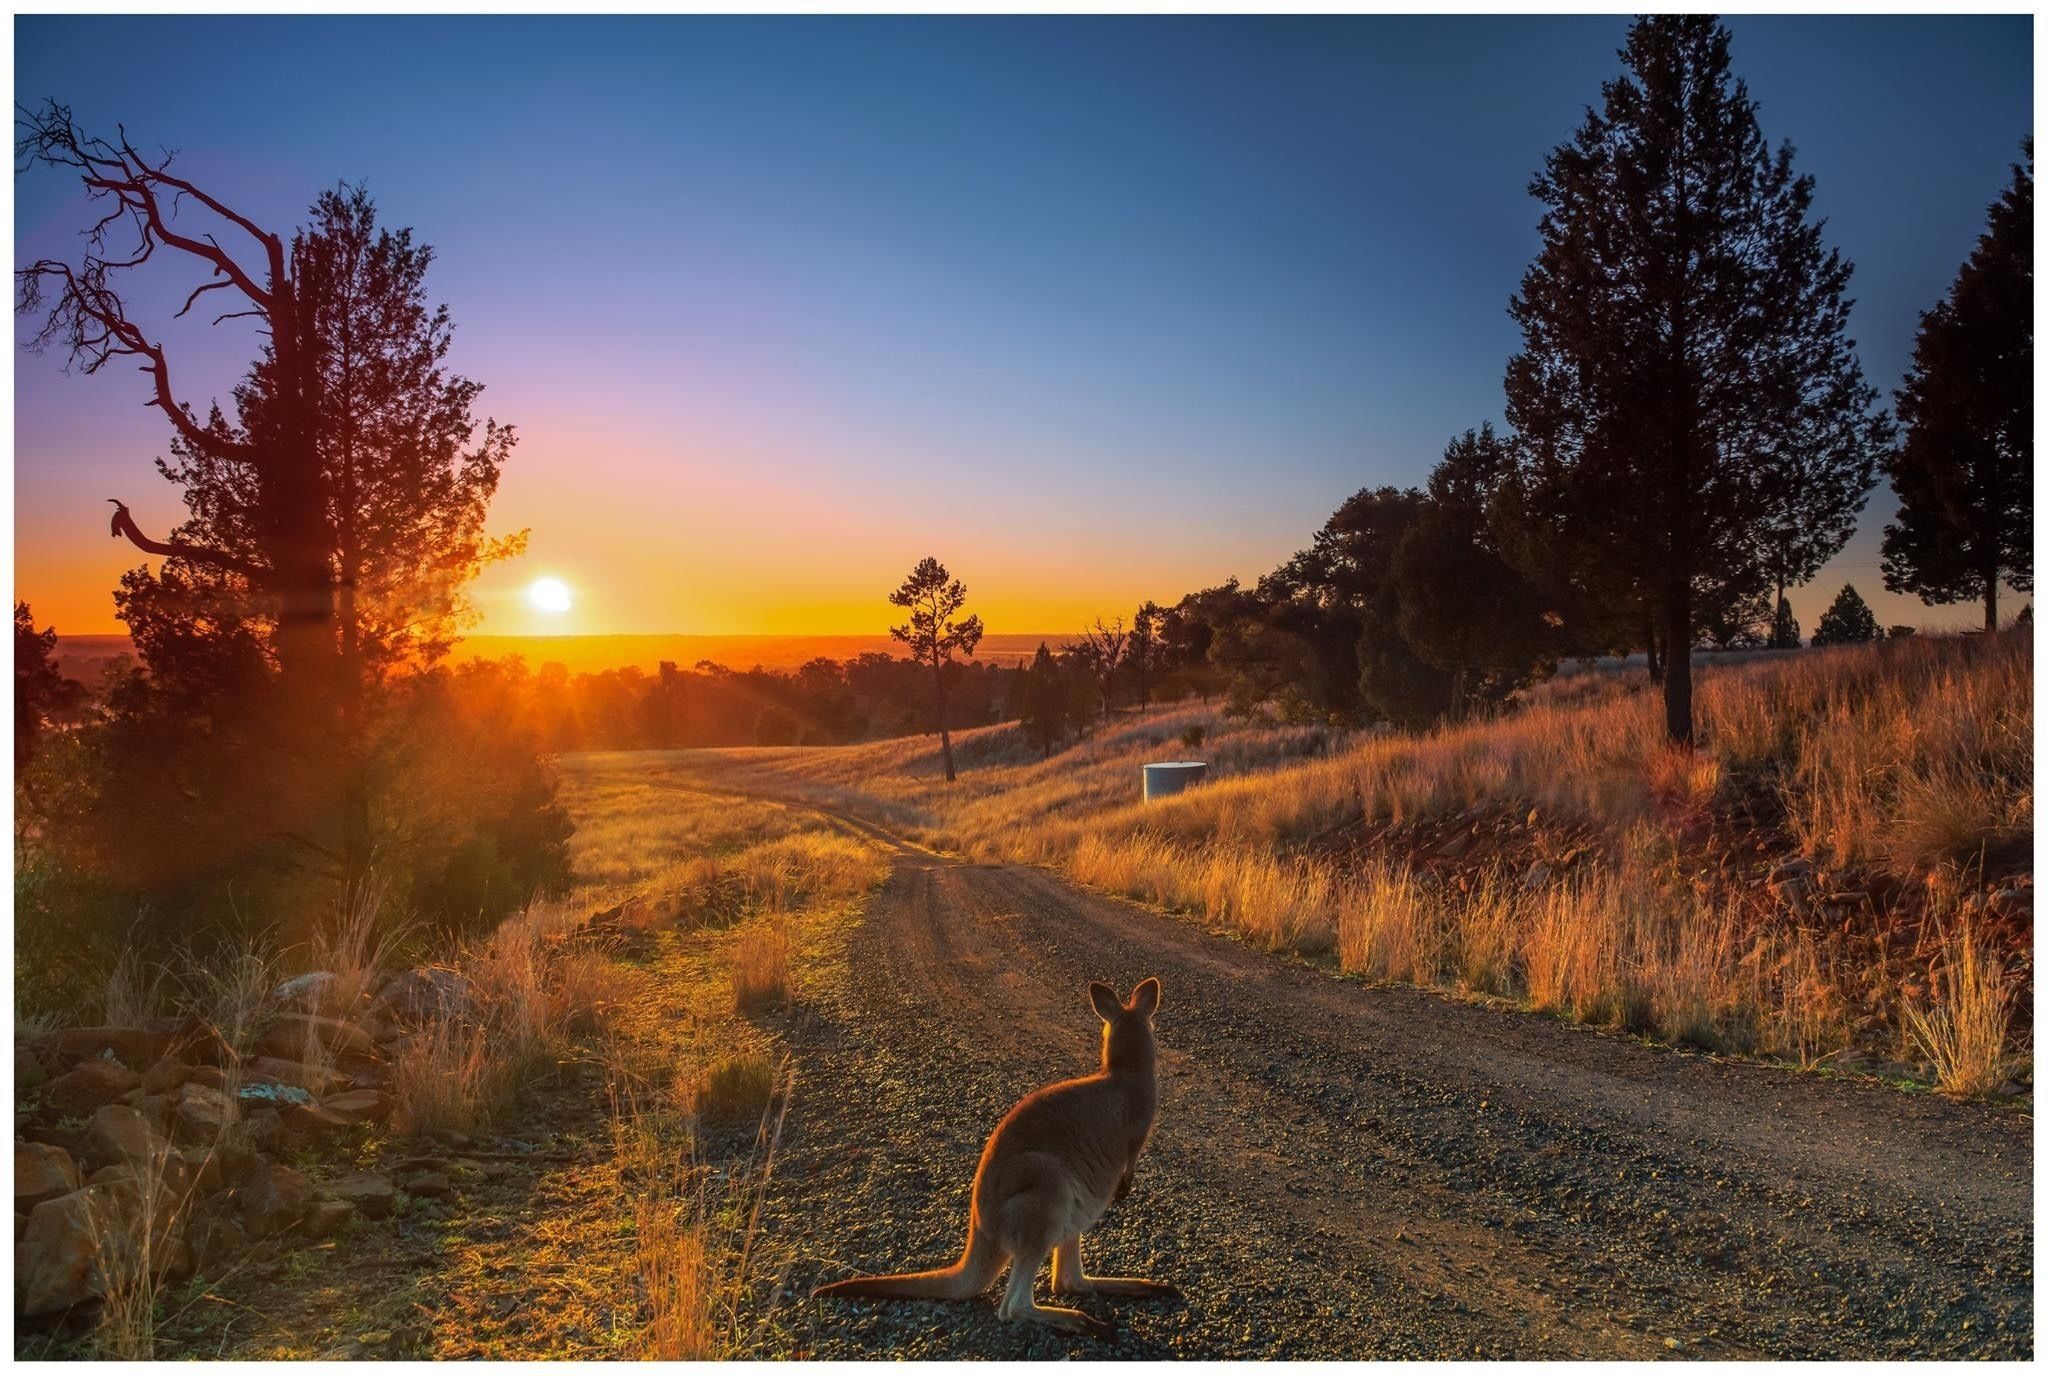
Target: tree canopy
[{"x": 1964, "y": 471}]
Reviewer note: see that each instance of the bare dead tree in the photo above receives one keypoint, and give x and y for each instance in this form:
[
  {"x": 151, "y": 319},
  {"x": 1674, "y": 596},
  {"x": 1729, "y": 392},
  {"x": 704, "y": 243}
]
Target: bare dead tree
[
  {"x": 86, "y": 315},
  {"x": 1105, "y": 647}
]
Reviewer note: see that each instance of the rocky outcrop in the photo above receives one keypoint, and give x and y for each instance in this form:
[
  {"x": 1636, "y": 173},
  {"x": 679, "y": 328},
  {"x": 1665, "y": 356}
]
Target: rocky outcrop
[
  {"x": 88, "y": 1085},
  {"x": 41, "y": 1173},
  {"x": 57, "y": 1262},
  {"x": 426, "y": 994}
]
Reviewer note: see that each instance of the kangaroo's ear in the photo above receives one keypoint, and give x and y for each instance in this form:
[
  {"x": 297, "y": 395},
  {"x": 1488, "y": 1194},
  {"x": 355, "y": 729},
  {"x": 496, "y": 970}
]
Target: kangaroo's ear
[
  {"x": 1145, "y": 998},
  {"x": 1107, "y": 1004}
]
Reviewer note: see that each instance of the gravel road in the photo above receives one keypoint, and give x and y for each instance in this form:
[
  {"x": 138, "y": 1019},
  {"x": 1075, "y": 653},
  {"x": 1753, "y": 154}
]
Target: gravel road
[{"x": 1354, "y": 1172}]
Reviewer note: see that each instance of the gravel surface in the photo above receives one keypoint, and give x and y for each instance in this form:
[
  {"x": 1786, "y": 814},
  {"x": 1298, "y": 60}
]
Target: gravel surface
[{"x": 1353, "y": 1172}]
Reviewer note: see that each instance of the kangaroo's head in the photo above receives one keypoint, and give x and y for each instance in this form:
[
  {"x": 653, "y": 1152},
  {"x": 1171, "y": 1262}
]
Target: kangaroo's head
[{"x": 1127, "y": 1045}]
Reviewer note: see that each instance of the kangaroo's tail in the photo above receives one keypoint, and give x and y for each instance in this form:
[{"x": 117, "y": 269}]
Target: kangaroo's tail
[{"x": 964, "y": 1279}]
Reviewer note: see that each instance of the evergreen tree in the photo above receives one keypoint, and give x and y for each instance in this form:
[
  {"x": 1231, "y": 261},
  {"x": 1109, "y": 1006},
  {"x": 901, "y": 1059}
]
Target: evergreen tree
[
  {"x": 934, "y": 599},
  {"x": 1964, "y": 472},
  {"x": 1460, "y": 607},
  {"x": 335, "y": 513},
  {"x": 1042, "y": 709},
  {"x": 1784, "y": 628},
  {"x": 41, "y": 692},
  {"x": 1684, "y": 332},
  {"x": 1847, "y": 621}
]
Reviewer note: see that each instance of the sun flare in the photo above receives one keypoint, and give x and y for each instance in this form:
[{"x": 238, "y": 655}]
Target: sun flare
[{"x": 549, "y": 595}]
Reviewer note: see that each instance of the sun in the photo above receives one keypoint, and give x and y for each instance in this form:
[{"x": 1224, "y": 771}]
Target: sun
[{"x": 549, "y": 595}]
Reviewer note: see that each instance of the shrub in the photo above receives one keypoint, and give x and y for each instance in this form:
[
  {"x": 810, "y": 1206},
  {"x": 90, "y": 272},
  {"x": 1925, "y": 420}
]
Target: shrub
[
  {"x": 736, "y": 1086},
  {"x": 760, "y": 967}
]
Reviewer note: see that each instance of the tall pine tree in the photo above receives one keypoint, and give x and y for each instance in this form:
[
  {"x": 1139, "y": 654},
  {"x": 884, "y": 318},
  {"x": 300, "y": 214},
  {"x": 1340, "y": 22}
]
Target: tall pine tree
[
  {"x": 1686, "y": 377},
  {"x": 1964, "y": 472}
]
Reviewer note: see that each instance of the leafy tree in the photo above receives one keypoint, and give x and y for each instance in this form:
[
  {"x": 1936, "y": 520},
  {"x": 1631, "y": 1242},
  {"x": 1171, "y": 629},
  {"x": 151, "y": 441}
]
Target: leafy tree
[
  {"x": 1964, "y": 472},
  {"x": 1684, "y": 336},
  {"x": 1784, "y": 628},
  {"x": 661, "y": 709},
  {"x": 1460, "y": 607},
  {"x": 335, "y": 513},
  {"x": 1144, "y": 647},
  {"x": 1103, "y": 648},
  {"x": 934, "y": 599},
  {"x": 1042, "y": 709},
  {"x": 1741, "y": 623},
  {"x": 41, "y": 692},
  {"x": 1847, "y": 621}
]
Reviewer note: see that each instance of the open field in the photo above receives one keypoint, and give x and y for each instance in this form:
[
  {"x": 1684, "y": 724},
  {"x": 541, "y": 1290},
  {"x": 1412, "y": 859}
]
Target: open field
[
  {"x": 759, "y": 1046},
  {"x": 1840, "y": 875}
]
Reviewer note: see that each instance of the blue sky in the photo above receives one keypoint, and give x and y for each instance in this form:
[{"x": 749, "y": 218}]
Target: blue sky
[{"x": 1095, "y": 309}]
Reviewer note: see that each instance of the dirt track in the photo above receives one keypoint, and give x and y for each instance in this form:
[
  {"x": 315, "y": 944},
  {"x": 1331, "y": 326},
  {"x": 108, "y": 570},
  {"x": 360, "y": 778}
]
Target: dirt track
[{"x": 1357, "y": 1172}]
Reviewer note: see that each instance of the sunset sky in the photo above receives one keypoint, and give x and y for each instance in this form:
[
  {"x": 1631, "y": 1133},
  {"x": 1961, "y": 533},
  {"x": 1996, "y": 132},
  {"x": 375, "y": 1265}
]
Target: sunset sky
[{"x": 1094, "y": 310}]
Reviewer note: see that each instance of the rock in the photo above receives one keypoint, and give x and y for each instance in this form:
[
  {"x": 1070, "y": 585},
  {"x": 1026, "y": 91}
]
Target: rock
[
  {"x": 327, "y": 1218},
  {"x": 1537, "y": 877},
  {"x": 359, "y": 1105},
  {"x": 272, "y": 1199},
  {"x": 374, "y": 1195},
  {"x": 1796, "y": 868},
  {"x": 156, "y": 1108},
  {"x": 427, "y": 1185},
  {"x": 216, "y": 1236},
  {"x": 56, "y": 1264},
  {"x": 1792, "y": 893},
  {"x": 318, "y": 991},
  {"x": 42, "y": 1173},
  {"x": 203, "y": 1168},
  {"x": 2016, "y": 901},
  {"x": 311, "y": 1120},
  {"x": 132, "y": 1046},
  {"x": 262, "y": 1130},
  {"x": 88, "y": 1085},
  {"x": 290, "y": 1035},
  {"x": 28, "y": 1071},
  {"x": 212, "y": 1076},
  {"x": 1454, "y": 845},
  {"x": 201, "y": 1114},
  {"x": 191, "y": 1039},
  {"x": 314, "y": 1079},
  {"x": 69, "y": 1140},
  {"x": 270, "y": 1095},
  {"x": 426, "y": 993},
  {"x": 166, "y": 1075},
  {"x": 121, "y": 1136}
]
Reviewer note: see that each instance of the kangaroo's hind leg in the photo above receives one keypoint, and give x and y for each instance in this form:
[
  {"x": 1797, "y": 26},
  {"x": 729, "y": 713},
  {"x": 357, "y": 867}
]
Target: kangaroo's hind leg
[
  {"x": 1068, "y": 1277},
  {"x": 1017, "y": 1302}
]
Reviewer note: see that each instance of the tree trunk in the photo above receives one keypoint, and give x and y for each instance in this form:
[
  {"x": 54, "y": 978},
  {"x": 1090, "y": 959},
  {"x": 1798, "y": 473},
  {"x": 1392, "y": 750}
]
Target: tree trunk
[
  {"x": 939, "y": 697},
  {"x": 1650, "y": 653},
  {"x": 1678, "y": 663},
  {"x": 1991, "y": 603}
]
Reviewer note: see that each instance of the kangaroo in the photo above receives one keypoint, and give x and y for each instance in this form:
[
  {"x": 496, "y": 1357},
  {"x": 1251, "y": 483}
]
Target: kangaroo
[{"x": 1055, "y": 1163}]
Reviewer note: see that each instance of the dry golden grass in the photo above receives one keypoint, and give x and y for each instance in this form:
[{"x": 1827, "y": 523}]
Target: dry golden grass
[
  {"x": 1962, "y": 1025},
  {"x": 696, "y": 1229},
  {"x": 1904, "y": 757},
  {"x": 533, "y": 989},
  {"x": 760, "y": 966}
]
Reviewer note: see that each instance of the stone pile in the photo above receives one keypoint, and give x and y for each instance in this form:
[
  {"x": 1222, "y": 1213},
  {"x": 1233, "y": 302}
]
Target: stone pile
[{"x": 158, "y": 1146}]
